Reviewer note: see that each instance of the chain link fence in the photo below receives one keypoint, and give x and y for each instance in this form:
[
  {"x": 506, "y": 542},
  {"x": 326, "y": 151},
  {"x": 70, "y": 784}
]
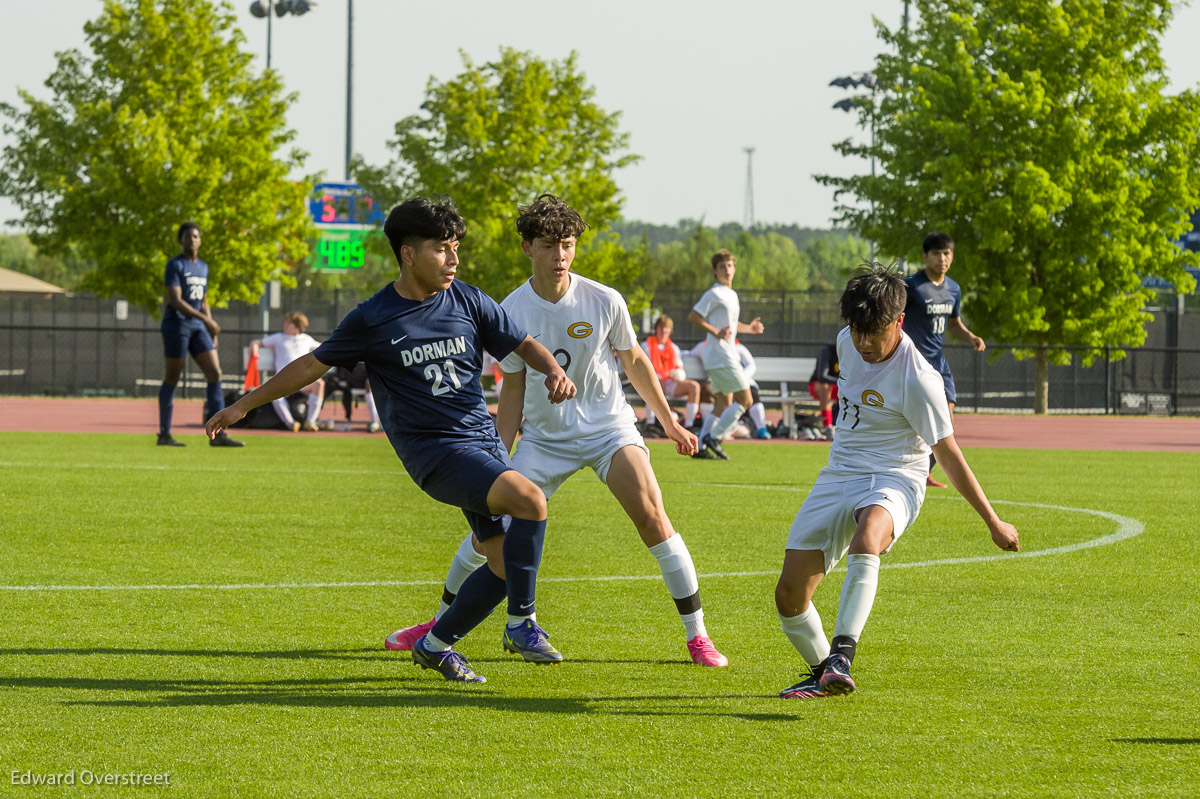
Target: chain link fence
[{"x": 78, "y": 345}]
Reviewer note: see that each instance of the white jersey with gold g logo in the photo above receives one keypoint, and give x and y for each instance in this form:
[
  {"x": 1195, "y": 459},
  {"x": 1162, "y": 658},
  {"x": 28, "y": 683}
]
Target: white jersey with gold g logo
[
  {"x": 889, "y": 412},
  {"x": 582, "y": 329}
]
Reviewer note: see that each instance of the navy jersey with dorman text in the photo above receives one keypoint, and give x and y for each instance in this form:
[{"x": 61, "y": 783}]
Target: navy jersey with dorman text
[
  {"x": 424, "y": 360},
  {"x": 927, "y": 310},
  {"x": 192, "y": 279}
]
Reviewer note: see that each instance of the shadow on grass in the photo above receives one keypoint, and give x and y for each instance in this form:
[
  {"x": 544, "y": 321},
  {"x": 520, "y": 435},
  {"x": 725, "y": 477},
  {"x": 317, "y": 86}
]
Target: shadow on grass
[
  {"x": 415, "y": 692},
  {"x": 282, "y": 654},
  {"x": 1186, "y": 741}
]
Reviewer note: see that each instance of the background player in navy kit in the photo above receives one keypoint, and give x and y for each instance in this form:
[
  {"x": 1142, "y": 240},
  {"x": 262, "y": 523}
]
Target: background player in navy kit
[
  {"x": 422, "y": 339},
  {"x": 893, "y": 408},
  {"x": 934, "y": 306},
  {"x": 188, "y": 327}
]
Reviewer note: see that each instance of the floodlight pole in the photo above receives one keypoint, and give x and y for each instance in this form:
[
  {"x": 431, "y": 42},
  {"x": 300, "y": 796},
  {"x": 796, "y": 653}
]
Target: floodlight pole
[{"x": 349, "y": 84}]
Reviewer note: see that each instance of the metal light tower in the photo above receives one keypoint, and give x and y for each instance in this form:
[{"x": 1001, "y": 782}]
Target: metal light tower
[
  {"x": 748, "y": 211},
  {"x": 260, "y": 9},
  {"x": 263, "y": 8}
]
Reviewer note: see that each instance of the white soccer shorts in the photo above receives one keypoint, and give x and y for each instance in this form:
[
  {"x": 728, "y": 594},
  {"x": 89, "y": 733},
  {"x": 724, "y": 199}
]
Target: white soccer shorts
[
  {"x": 549, "y": 463},
  {"x": 827, "y": 519},
  {"x": 728, "y": 379}
]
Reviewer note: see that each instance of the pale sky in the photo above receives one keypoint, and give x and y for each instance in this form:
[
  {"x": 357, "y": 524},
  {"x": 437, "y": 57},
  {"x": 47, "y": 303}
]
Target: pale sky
[{"x": 696, "y": 82}]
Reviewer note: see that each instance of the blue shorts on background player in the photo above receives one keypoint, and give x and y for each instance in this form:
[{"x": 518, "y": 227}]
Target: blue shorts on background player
[
  {"x": 188, "y": 328},
  {"x": 422, "y": 339},
  {"x": 934, "y": 306}
]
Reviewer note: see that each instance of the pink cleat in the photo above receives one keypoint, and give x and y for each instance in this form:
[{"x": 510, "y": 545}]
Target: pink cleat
[
  {"x": 405, "y": 638},
  {"x": 704, "y": 653}
]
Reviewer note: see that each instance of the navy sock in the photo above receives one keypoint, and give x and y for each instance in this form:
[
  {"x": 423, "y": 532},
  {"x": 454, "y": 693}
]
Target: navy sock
[
  {"x": 214, "y": 400},
  {"x": 477, "y": 598},
  {"x": 166, "y": 405},
  {"x": 522, "y": 556}
]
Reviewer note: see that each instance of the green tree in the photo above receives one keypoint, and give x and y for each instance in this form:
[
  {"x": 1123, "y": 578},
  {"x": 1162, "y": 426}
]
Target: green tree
[
  {"x": 1039, "y": 136},
  {"x": 163, "y": 122},
  {"x": 495, "y": 137}
]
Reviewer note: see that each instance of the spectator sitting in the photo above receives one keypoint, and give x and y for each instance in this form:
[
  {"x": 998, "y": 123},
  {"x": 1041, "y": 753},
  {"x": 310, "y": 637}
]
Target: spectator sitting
[
  {"x": 668, "y": 365},
  {"x": 288, "y": 346}
]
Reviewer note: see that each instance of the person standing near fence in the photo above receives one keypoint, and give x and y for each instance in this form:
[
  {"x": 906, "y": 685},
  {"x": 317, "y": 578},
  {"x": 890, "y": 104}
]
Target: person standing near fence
[
  {"x": 934, "y": 306},
  {"x": 188, "y": 327}
]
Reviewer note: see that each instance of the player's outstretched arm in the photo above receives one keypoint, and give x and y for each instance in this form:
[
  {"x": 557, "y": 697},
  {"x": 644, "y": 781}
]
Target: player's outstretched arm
[
  {"x": 510, "y": 408},
  {"x": 558, "y": 386},
  {"x": 645, "y": 382},
  {"x": 960, "y": 332},
  {"x": 293, "y": 377},
  {"x": 1004, "y": 535},
  {"x": 753, "y": 327}
]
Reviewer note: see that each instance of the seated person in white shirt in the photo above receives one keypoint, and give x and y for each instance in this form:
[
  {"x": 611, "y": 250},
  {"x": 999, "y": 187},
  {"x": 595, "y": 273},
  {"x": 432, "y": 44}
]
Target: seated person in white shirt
[{"x": 288, "y": 346}]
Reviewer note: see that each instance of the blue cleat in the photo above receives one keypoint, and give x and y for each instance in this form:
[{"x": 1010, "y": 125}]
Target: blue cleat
[
  {"x": 714, "y": 446},
  {"x": 530, "y": 642},
  {"x": 451, "y": 665},
  {"x": 836, "y": 677},
  {"x": 808, "y": 688}
]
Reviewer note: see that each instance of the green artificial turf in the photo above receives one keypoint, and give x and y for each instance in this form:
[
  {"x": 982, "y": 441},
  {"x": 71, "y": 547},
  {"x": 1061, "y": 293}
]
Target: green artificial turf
[{"x": 1067, "y": 675}]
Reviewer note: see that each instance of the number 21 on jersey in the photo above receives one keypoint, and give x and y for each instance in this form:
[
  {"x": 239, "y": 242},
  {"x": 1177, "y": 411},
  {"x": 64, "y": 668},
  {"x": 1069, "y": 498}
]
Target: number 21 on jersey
[{"x": 434, "y": 374}]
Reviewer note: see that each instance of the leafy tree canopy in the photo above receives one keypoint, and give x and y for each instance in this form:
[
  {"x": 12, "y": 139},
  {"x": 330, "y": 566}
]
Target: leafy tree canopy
[
  {"x": 497, "y": 136},
  {"x": 1038, "y": 135},
  {"x": 769, "y": 257},
  {"x": 160, "y": 123}
]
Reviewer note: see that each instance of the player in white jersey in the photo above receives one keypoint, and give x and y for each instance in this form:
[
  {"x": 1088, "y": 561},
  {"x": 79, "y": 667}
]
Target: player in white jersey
[
  {"x": 716, "y": 313},
  {"x": 892, "y": 403},
  {"x": 582, "y": 322},
  {"x": 288, "y": 346}
]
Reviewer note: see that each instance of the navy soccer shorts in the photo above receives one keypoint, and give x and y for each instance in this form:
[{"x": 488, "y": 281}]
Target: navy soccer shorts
[
  {"x": 463, "y": 479},
  {"x": 180, "y": 338}
]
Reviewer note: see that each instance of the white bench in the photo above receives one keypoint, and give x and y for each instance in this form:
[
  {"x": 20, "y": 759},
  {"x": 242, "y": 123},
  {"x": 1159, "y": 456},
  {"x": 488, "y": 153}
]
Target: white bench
[{"x": 782, "y": 381}]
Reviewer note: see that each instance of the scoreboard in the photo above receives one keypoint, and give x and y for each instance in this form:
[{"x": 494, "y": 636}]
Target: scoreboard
[{"x": 344, "y": 216}]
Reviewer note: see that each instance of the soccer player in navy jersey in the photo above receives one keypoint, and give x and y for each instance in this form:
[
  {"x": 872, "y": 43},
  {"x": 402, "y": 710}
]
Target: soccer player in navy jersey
[
  {"x": 422, "y": 339},
  {"x": 934, "y": 306},
  {"x": 188, "y": 327}
]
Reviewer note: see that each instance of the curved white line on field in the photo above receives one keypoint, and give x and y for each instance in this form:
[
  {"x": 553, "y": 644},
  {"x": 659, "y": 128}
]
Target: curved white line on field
[{"x": 1126, "y": 528}]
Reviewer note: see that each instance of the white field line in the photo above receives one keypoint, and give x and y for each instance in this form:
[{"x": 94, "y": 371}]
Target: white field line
[{"x": 1126, "y": 528}]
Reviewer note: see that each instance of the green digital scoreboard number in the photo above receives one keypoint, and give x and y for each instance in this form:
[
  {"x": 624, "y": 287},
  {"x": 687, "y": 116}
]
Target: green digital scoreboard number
[
  {"x": 339, "y": 250},
  {"x": 344, "y": 216}
]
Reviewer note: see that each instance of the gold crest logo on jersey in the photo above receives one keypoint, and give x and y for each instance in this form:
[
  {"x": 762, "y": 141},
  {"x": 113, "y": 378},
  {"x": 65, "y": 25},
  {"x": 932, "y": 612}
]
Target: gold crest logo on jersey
[
  {"x": 872, "y": 398},
  {"x": 579, "y": 330}
]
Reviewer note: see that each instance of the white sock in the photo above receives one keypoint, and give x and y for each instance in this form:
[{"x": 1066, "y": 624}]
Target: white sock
[
  {"x": 807, "y": 635},
  {"x": 466, "y": 560},
  {"x": 517, "y": 621},
  {"x": 689, "y": 414},
  {"x": 283, "y": 410},
  {"x": 650, "y": 417},
  {"x": 679, "y": 573},
  {"x": 729, "y": 417},
  {"x": 371, "y": 408},
  {"x": 709, "y": 421},
  {"x": 758, "y": 414},
  {"x": 435, "y": 644},
  {"x": 693, "y": 624},
  {"x": 315, "y": 401},
  {"x": 858, "y": 595}
]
